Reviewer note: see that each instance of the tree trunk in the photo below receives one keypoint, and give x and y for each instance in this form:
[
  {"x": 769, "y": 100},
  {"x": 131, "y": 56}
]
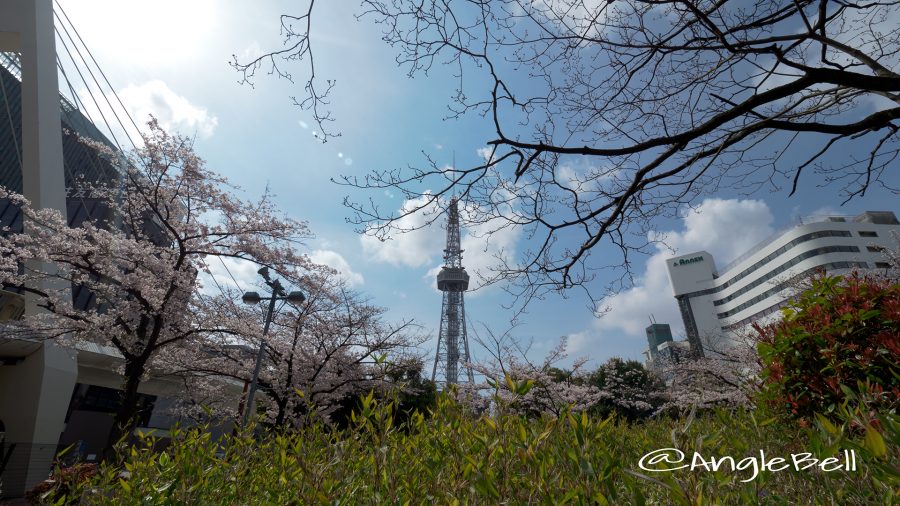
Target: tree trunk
[
  {"x": 281, "y": 402},
  {"x": 126, "y": 416}
]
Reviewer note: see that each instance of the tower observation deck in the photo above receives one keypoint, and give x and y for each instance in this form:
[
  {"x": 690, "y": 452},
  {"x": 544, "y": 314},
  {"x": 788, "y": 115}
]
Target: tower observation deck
[{"x": 453, "y": 281}]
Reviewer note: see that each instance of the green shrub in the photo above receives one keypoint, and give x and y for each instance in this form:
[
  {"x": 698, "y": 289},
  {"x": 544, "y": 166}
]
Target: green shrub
[
  {"x": 63, "y": 486},
  {"x": 839, "y": 333},
  {"x": 454, "y": 458}
]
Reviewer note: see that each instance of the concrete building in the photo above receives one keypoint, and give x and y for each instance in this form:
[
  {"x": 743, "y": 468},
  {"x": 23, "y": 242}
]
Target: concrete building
[
  {"x": 52, "y": 397},
  {"x": 657, "y": 335},
  {"x": 717, "y": 302},
  {"x": 662, "y": 349}
]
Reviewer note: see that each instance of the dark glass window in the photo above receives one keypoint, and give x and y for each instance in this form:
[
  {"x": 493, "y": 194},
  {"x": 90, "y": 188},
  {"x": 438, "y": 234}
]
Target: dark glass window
[{"x": 107, "y": 400}]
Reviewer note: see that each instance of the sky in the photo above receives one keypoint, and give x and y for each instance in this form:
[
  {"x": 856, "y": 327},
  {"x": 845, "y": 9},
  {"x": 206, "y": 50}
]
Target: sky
[{"x": 170, "y": 58}]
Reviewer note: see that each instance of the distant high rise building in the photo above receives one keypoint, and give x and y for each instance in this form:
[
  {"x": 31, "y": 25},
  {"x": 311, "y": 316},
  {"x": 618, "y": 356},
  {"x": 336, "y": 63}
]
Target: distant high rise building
[
  {"x": 716, "y": 303},
  {"x": 657, "y": 333},
  {"x": 453, "y": 342}
]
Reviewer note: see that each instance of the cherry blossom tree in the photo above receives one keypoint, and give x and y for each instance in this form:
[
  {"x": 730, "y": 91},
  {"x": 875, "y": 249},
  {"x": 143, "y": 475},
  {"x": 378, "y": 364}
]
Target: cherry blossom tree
[
  {"x": 334, "y": 346},
  {"x": 519, "y": 385},
  {"x": 163, "y": 219},
  {"x": 628, "y": 389},
  {"x": 727, "y": 376}
]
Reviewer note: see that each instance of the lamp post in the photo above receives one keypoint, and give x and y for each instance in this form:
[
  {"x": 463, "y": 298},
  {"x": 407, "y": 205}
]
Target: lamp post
[{"x": 252, "y": 298}]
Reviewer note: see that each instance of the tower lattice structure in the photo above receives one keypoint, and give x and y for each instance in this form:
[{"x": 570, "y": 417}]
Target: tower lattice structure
[{"x": 453, "y": 342}]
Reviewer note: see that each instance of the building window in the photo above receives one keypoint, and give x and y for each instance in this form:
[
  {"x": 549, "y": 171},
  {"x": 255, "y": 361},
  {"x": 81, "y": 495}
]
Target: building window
[
  {"x": 807, "y": 237},
  {"x": 867, "y": 233},
  {"x": 787, "y": 265},
  {"x": 882, "y": 265},
  {"x": 875, "y": 249},
  {"x": 782, "y": 286}
]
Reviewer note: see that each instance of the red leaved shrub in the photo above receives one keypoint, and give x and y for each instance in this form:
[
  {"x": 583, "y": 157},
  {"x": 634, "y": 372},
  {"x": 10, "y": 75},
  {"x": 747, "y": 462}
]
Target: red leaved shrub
[{"x": 841, "y": 332}]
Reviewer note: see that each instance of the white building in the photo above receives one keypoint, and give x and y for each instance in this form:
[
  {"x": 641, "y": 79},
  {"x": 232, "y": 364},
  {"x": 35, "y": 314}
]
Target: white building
[{"x": 714, "y": 303}]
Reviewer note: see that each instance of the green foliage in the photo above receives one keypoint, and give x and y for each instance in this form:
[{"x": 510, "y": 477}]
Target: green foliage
[
  {"x": 840, "y": 333},
  {"x": 407, "y": 388},
  {"x": 455, "y": 458},
  {"x": 63, "y": 486}
]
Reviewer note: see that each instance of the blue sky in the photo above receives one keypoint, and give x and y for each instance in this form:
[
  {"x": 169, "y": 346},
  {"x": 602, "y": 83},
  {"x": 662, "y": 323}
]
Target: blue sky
[{"x": 169, "y": 58}]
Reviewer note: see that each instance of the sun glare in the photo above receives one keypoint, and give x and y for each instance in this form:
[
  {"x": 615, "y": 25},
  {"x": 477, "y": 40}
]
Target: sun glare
[{"x": 164, "y": 31}]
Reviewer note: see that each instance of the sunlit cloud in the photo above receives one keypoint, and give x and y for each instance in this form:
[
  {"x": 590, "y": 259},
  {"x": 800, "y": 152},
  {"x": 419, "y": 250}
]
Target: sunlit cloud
[
  {"x": 337, "y": 262},
  {"x": 724, "y": 228},
  {"x": 173, "y": 111}
]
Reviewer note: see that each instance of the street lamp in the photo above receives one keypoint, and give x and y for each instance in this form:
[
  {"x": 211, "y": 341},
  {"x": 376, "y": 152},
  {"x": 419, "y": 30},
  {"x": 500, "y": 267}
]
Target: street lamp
[{"x": 253, "y": 298}]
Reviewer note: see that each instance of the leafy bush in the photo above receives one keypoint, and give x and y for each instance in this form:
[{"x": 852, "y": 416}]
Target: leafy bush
[
  {"x": 839, "y": 333},
  {"x": 63, "y": 485},
  {"x": 454, "y": 458}
]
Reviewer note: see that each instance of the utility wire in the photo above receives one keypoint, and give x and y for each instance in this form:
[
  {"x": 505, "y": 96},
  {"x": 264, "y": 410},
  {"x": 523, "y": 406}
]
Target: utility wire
[
  {"x": 77, "y": 99},
  {"x": 66, "y": 167}
]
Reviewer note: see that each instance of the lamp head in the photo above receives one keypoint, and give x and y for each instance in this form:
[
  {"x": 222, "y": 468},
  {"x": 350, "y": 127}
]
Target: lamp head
[
  {"x": 251, "y": 298},
  {"x": 296, "y": 297}
]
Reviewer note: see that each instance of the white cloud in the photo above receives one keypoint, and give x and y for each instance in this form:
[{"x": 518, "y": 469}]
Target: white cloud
[
  {"x": 583, "y": 178},
  {"x": 173, "y": 111},
  {"x": 584, "y": 17},
  {"x": 724, "y": 228},
  {"x": 337, "y": 262},
  {"x": 568, "y": 177},
  {"x": 240, "y": 275},
  {"x": 251, "y": 52},
  {"x": 485, "y": 153},
  {"x": 481, "y": 243},
  {"x": 414, "y": 248}
]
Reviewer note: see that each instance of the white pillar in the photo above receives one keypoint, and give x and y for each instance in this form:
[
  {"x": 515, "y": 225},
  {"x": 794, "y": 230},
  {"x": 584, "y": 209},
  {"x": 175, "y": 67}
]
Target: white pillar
[
  {"x": 35, "y": 394},
  {"x": 27, "y": 27},
  {"x": 34, "y": 398}
]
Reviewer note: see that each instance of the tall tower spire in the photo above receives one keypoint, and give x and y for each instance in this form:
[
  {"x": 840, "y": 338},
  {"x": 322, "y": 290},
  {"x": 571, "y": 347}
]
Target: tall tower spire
[{"x": 453, "y": 342}]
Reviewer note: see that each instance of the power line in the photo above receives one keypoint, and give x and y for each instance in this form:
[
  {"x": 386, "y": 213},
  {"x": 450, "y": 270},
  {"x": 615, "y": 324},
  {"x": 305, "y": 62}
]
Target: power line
[{"x": 230, "y": 274}]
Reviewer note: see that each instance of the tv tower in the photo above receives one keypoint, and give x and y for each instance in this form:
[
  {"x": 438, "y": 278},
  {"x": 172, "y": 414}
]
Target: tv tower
[{"x": 453, "y": 342}]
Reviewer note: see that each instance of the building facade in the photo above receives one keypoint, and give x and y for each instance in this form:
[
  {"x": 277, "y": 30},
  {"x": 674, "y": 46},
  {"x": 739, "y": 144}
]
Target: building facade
[
  {"x": 657, "y": 335},
  {"x": 53, "y": 397},
  {"x": 716, "y": 304},
  {"x": 663, "y": 351}
]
